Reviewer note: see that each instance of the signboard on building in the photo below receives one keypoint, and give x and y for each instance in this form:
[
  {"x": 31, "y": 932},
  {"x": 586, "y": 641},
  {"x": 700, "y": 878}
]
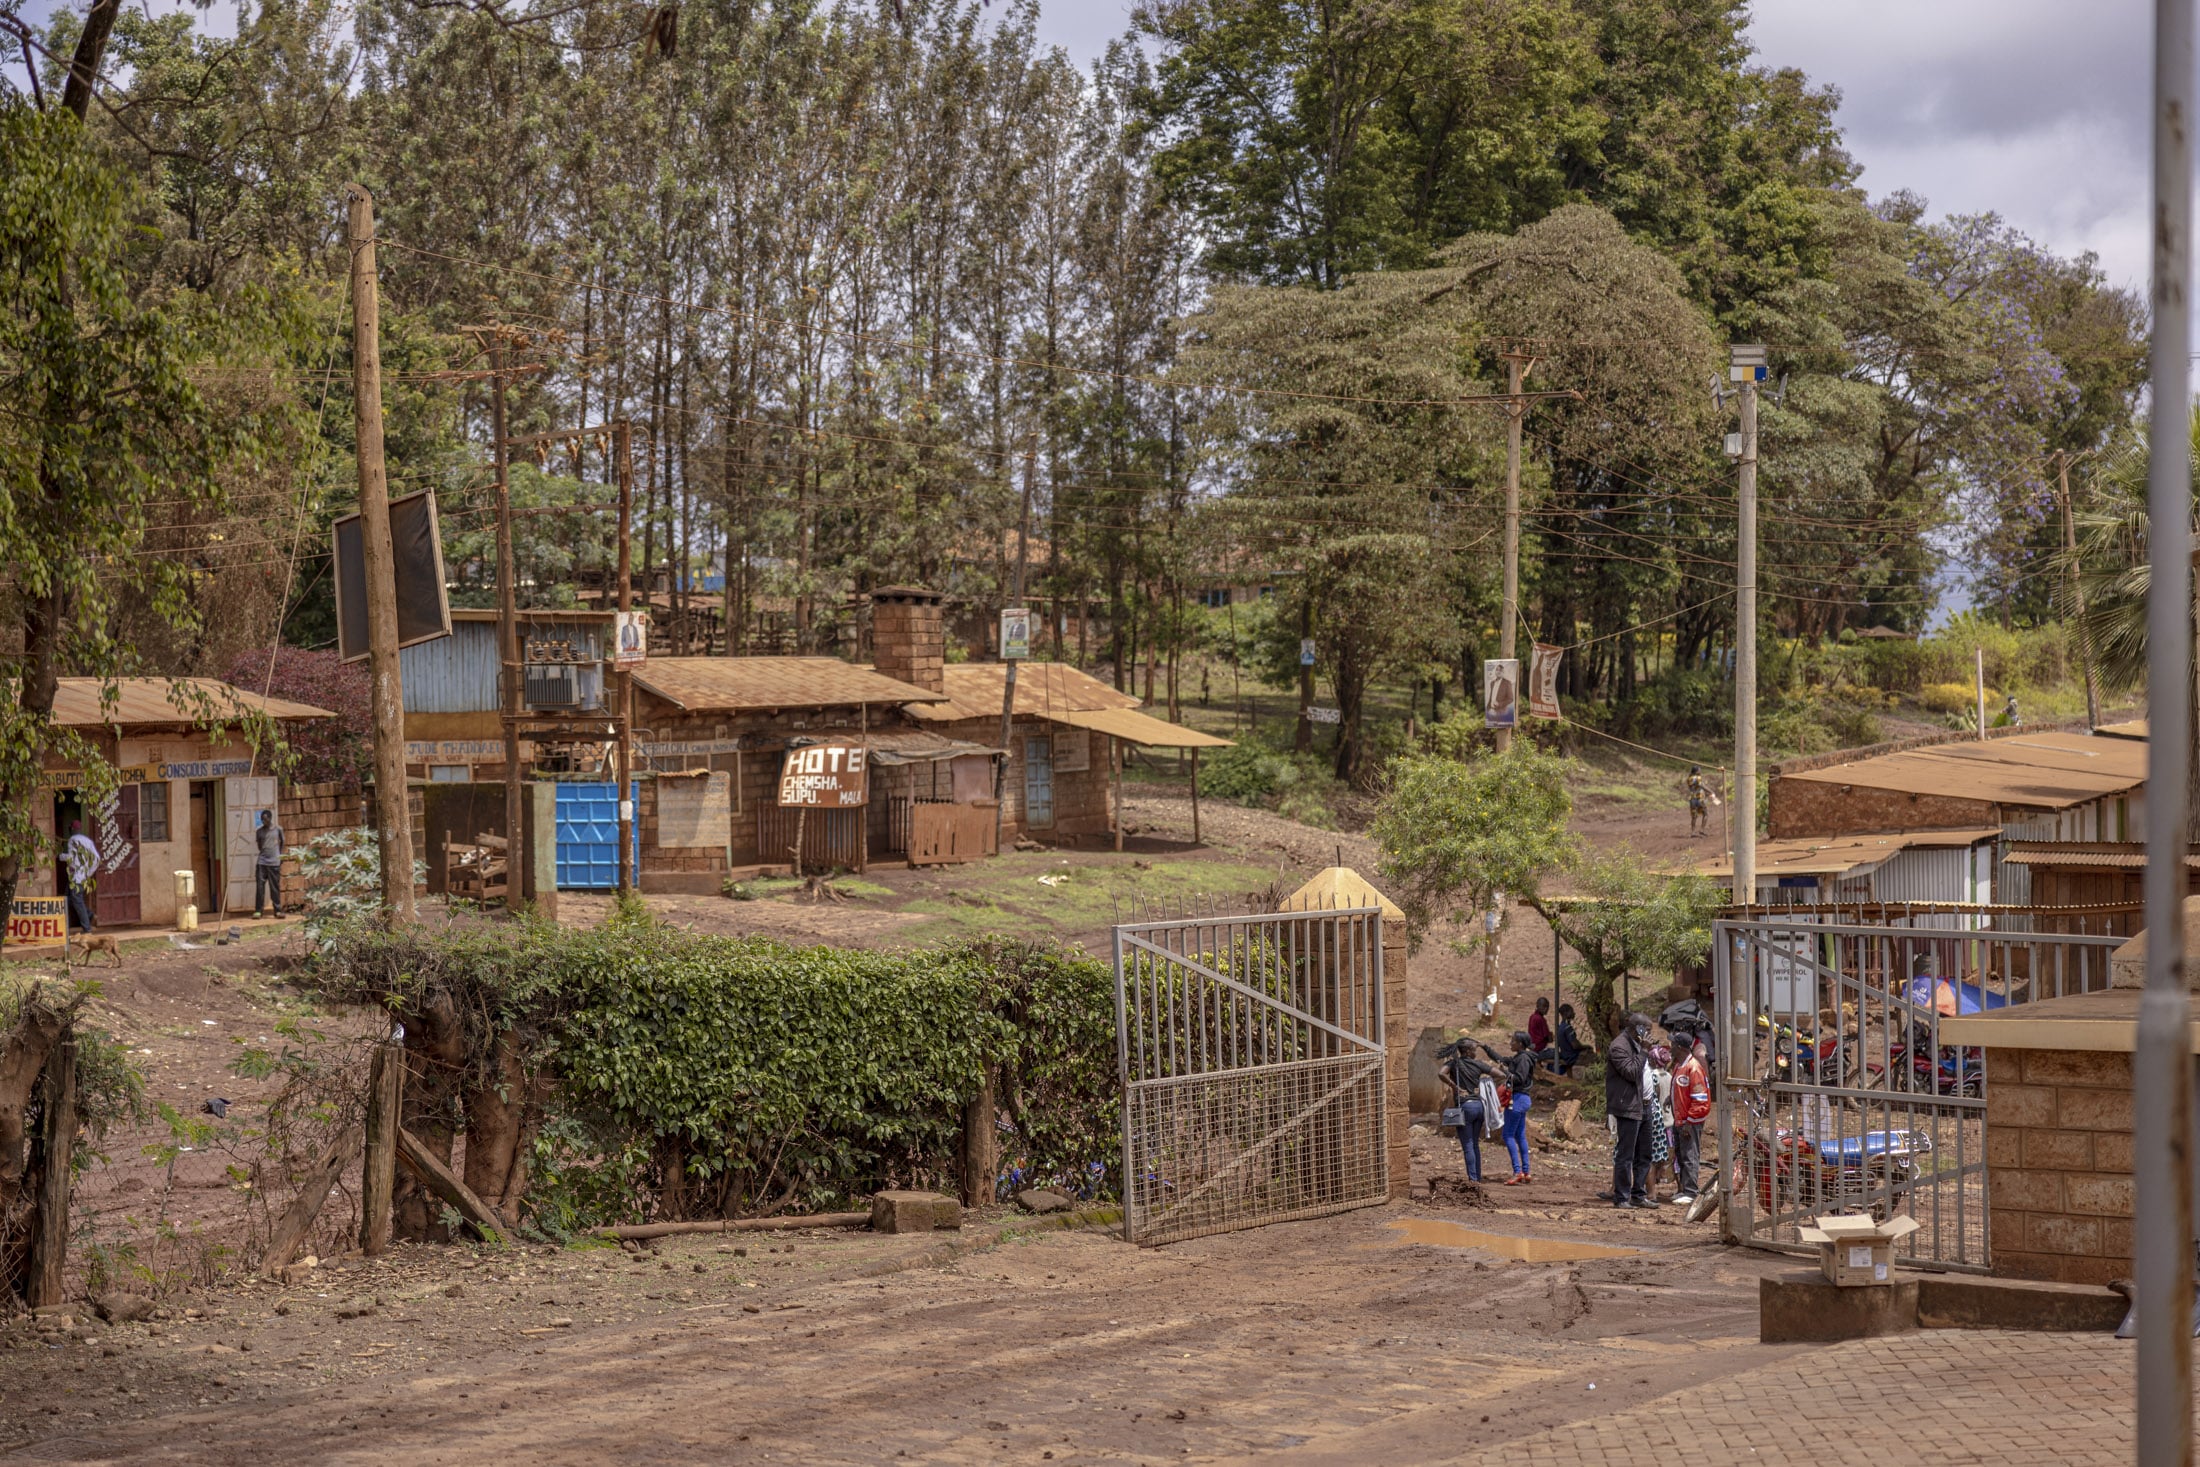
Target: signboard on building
[
  {"x": 70, "y": 779},
  {"x": 38, "y": 921},
  {"x": 831, "y": 776},
  {"x": 630, "y": 638},
  {"x": 1501, "y": 692},
  {"x": 1543, "y": 681},
  {"x": 206, "y": 769},
  {"x": 1015, "y": 633}
]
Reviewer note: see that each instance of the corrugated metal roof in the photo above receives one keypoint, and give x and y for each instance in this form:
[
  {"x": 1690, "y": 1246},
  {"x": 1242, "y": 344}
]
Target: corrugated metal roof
[
  {"x": 1843, "y": 854},
  {"x": 78, "y": 702},
  {"x": 714, "y": 684},
  {"x": 2043, "y": 770},
  {"x": 2111, "y": 855},
  {"x": 1043, "y": 690},
  {"x": 1138, "y": 728}
]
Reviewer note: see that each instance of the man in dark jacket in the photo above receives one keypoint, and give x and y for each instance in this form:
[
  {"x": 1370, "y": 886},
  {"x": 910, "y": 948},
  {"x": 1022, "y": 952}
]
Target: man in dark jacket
[{"x": 1624, "y": 1064}]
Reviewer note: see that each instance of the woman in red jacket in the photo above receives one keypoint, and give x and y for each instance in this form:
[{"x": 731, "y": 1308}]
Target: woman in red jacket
[{"x": 1691, "y": 1108}]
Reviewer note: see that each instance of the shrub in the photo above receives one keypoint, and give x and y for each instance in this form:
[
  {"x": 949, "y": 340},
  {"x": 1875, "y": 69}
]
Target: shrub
[{"x": 1953, "y": 698}]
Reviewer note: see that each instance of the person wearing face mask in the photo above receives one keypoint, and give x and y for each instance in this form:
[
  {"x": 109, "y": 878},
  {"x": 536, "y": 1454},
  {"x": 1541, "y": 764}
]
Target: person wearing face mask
[{"x": 1627, "y": 1099}]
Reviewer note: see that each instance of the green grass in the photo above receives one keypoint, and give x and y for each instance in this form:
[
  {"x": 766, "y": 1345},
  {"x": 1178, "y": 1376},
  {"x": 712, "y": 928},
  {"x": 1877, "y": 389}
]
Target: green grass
[{"x": 1007, "y": 892}]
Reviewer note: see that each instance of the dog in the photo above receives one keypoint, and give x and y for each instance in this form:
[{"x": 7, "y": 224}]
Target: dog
[{"x": 88, "y": 943}]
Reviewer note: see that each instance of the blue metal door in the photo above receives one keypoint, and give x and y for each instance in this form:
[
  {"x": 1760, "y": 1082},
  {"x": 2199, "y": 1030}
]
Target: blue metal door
[{"x": 588, "y": 836}]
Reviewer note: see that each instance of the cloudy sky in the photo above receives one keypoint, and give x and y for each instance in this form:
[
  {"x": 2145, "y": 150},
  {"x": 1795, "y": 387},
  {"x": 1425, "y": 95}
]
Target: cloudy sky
[{"x": 2034, "y": 109}]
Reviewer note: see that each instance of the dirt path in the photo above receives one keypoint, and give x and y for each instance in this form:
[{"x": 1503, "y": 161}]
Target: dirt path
[{"x": 1336, "y": 1338}]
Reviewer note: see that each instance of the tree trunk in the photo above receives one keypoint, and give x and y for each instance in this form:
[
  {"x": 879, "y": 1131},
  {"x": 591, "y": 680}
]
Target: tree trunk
[
  {"x": 493, "y": 1114},
  {"x": 435, "y": 1055}
]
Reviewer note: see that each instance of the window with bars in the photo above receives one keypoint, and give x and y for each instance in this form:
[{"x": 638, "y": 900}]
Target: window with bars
[{"x": 153, "y": 813}]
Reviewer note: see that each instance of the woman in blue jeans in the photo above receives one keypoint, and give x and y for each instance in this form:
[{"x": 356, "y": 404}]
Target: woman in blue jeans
[
  {"x": 1464, "y": 1073},
  {"x": 1519, "y": 1072}
]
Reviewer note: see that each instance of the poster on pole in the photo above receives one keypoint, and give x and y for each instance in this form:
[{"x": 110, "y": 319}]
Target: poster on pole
[
  {"x": 1015, "y": 633},
  {"x": 1306, "y": 651},
  {"x": 1501, "y": 692},
  {"x": 829, "y": 776},
  {"x": 631, "y": 638},
  {"x": 1543, "y": 681}
]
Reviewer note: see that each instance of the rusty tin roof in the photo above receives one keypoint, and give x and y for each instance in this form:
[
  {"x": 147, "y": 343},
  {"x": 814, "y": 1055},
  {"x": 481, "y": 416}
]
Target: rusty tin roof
[
  {"x": 715, "y": 684},
  {"x": 2050, "y": 771}
]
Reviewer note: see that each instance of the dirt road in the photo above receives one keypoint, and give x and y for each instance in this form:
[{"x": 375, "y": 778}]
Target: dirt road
[{"x": 1338, "y": 1339}]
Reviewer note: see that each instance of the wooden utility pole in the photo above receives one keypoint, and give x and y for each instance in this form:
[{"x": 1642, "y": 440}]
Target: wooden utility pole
[
  {"x": 2077, "y": 596},
  {"x": 1517, "y": 366},
  {"x": 393, "y": 825},
  {"x": 623, "y": 431},
  {"x": 1008, "y": 682},
  {"x": 378, "y": 1176},
  {"x": 1748, "y": 361},
  {"x": 511, "y": 684}
]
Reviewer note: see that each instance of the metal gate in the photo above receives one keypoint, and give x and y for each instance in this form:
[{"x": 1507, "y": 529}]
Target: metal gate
[
  {"x": 1251, "y": 1055},
  {"x": 587, "y": 816},
  {"x": 1835, "y": 1091}
]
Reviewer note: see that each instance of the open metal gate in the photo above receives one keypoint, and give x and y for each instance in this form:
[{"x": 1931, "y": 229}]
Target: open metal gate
[
  {"x": 1835, "y": 1091},
  {"x": 1251, "y": 1056}
]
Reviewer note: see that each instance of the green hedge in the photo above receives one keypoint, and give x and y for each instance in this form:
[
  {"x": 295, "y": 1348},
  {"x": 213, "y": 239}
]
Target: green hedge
[{"x": 777, "y": 1078}]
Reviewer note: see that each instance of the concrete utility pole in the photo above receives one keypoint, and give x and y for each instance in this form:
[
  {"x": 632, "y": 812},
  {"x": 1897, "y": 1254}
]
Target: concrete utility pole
[
  {"x": 624, "y": 448},
  {"x": 1517, "y": 366},
  {"x": 393, "y": 825},
  {"x": 1748, "y": 369},
  {"x": 2077, "y": 597},
  {"x": 1008, "y": 680},
  {"x": 511, "y": 691},
  {"x": 2162, "y": 1263}
]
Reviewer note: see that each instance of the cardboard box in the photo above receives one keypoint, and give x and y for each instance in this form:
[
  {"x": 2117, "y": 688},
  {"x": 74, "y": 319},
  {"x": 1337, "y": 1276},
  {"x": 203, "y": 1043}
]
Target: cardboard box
[{"x": 1854, "y": 1251}]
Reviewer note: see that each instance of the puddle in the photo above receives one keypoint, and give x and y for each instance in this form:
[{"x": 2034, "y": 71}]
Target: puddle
[{"x": 1443, "y": 1234}]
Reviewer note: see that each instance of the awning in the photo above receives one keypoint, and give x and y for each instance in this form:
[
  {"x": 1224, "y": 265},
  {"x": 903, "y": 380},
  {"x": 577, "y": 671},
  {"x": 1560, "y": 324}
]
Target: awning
[
  {"x": 1134, "y": 727},
  {"x": 919, "y": 747}
]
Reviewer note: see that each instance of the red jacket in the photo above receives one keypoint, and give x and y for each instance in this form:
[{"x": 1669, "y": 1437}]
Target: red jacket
[{"x": 1691, "y": 1092}]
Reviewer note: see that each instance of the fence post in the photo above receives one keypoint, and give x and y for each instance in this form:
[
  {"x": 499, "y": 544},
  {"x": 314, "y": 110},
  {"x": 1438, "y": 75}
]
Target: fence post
[
  {"x": 378, "y": 1177},
  {"x": 57, "y": 1143},
  {"x": 981, "y": 1166}
]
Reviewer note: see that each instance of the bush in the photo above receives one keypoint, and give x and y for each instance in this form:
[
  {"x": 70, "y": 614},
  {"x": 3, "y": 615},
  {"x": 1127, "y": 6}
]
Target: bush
[
  {"x": 1953, "y": 698},
  {"x": 773, "y": 1078}
]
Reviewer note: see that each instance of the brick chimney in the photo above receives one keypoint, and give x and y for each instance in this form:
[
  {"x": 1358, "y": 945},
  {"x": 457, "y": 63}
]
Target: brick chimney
[{"x": 909, "y": 636}]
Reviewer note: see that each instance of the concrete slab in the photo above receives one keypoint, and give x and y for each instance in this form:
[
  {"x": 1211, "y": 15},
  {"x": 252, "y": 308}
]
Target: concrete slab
[
  {"x": 1955, "y": 1301},
  {"x": 1802, "y": 1308}
]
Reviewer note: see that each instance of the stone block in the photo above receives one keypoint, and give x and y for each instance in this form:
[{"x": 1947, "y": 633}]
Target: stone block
[
  {"x": 2093, "y": 1269},
  {"x": 2028, "y": 1191},
  {"x": 2116, "y": 1240},
  {"x": 1041, "y": 1200},
  {"x": 2005, "y": 1230},
  {"x": 2112, "y": 1151},
  {"x": 2093, "y": 1069},
  {"x": 2020, "y": 1105},
  {"x": 2005, "y": 1146},
  {"x": 1802, "y": 1307},
  {"x": 2090, "y": 1192},
  {"x": 1952, "y": 1301},
  {"x": 2056, "y": 1232},
  {"x": 2015, "y": 1264},
  {"x": 914, "y": 1212},
  {"x": 2093, "y": 1110},
  {"x": 2004, "y": 1067},
  {"x": 2060, "y": 1151}
]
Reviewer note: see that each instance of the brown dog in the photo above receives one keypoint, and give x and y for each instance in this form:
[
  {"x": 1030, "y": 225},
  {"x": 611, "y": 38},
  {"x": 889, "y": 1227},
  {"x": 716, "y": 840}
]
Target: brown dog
[{"x": 97, "y": 942}]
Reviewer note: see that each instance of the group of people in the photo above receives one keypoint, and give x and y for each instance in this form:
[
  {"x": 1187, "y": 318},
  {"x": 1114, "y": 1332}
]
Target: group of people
[
  {"x": 1657, "y": 1095},
  {"x": 81, "y": 864}
]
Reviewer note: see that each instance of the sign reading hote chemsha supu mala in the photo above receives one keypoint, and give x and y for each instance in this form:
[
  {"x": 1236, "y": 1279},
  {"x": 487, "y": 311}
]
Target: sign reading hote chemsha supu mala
[{"x": 831, "y": 776}]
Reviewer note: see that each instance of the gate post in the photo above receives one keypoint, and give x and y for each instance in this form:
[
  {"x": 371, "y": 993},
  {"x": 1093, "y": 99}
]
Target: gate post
[
  {"x": 1722, "y": 995},
  {"x": 1390, "y": 980}
]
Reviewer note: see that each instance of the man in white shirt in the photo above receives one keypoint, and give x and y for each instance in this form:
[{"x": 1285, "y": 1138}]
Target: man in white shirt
[{"x": 83, "y": 862}]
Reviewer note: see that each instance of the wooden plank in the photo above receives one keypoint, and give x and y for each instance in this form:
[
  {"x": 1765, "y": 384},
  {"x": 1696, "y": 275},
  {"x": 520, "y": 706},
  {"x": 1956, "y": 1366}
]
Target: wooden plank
[
  {"x": 297, "y": 1219},
  {"x": 440, "y": 1180}
]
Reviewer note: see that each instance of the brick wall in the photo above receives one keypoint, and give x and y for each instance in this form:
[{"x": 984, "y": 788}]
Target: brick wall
[
  {"x": 2058, "y": 1158},
  {"x": 1397, "y": 1062},
  {"x": 307, "y": 811},
  {"x": 1810, "y": 807},
  {"x": 909, "y": 638}
]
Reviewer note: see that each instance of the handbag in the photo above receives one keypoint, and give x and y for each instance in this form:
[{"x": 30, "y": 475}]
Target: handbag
[{"x": 1454, "y": 1116}]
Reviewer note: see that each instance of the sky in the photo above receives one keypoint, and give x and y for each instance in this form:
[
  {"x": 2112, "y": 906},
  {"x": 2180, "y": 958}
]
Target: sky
[{"x": 2033, "y": 109}]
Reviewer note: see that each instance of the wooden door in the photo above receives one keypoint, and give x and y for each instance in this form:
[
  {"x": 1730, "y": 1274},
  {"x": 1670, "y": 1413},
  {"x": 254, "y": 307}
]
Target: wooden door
[
  {"x": 115, "y": 832},
  {"x": 207, "y": 896}
]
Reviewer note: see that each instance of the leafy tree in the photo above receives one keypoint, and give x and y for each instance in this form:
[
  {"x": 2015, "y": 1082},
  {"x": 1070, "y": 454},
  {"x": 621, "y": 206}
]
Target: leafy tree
[{"x": 1625, "y": 918}]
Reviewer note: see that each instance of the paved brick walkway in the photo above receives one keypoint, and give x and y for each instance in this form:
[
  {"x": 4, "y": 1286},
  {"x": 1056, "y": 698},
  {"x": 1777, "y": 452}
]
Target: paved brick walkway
[{"x": 1942, "y": 1396}]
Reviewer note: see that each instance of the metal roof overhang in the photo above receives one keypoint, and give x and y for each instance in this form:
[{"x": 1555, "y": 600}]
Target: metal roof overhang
[
  {"x": 1137, "y": 728},
  {"x": 2050, "y": 771},
  {"x": 1846, "y": 855}
]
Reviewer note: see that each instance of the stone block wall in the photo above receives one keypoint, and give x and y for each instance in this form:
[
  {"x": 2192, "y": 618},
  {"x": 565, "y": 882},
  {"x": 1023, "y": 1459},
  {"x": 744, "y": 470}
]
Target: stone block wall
[
  {"x": 2058, "y": 1158},
  {"x": 909, "y": 638},
  {"x": 307, "y": 811},
  {"x": 1397, "y": 1062}
]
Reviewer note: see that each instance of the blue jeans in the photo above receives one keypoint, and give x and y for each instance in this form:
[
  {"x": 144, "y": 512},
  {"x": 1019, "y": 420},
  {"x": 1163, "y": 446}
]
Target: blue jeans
[
  {"x": 1470, "y": 1138},
  {"x": 1516, "y": 1133},
  {"x": 80, "y": 908}
]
